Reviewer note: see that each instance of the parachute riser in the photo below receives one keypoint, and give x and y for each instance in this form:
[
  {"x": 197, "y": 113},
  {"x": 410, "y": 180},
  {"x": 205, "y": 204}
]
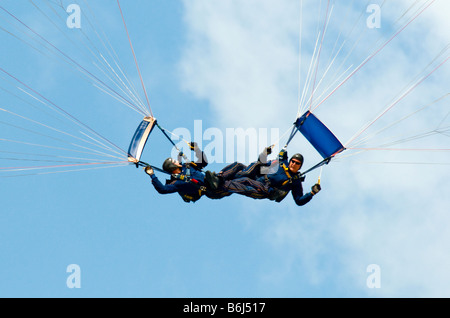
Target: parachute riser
[
  {"x": 171, "y": 141},
  {"x": 320, "y": 164},
  {"x": 144, "y": 164}
]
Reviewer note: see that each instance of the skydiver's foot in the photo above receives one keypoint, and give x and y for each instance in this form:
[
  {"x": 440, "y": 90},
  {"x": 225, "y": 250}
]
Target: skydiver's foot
[
  {"x": 212, "y": 180},
  {"x": 208, "y": 179}
]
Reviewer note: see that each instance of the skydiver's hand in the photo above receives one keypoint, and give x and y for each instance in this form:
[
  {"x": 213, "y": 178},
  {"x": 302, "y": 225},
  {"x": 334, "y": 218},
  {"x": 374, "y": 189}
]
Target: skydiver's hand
[
  {"x": 269, "y": 150},
  {"x": 149, "y": 170},
  {"x": 193, "y": 145},
  {"x": 282, "y": 155},
  {"x": 315, "y": 189}
]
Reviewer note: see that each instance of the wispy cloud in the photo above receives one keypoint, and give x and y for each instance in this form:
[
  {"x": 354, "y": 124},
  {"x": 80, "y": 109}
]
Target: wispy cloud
[{"x": 243, "y": 59}]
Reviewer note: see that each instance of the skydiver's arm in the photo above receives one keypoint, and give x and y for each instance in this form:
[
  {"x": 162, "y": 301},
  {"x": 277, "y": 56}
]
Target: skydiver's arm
[
  {"x": 282, "y": 156},
  {"x": 161, "y": 188},
  {"x": 297, "y": 193},
  {"x": 263, "y": 155},
  {"x": 201, "y": 161}
]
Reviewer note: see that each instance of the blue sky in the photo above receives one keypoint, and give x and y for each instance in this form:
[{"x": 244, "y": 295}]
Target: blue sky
[{"x": 231, "y": 65}]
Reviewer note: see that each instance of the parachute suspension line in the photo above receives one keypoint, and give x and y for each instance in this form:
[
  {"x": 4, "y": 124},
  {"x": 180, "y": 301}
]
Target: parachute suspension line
[
  {"x": 58, "y": 58},
  {"x": 139, "y": 111},
  {"x": 348, "y": 36},
  {"x": 138, "y": 107},
  {"x": 364, "y": 140},
  {"x": 80, "y": 67},
  {"x": 300, "y": 58},
  {"x": 445, "y": 117},
  {"x": 314, "y": 62},
  {"x": 119, "y": 83},
  {"x": 48, "y": 156},
  {"x": 371, "y": 56},
  {"x": 39, "y": 160},
  {"x": 60, "y": 5},
  {"x": 75, "y": 120},
  {"x": 308, "y": 78},
  {"x": 50, "y": 20},
  {"x": 55, "y": 110},
  {"x": 396, "y": 102},
  {"x": 423, "y": 71},
  {"x": 89, "y": 166},
  {"x": 27, "y": 102},
  {"x": 411, "y": 84},
  {"x": 41, "y": 110},
  {"x": 132, "y": 94},
  {"x": 302, "y": 108},
  {"x": 24, "y": 41},
  {"x": 398, "y": 162},
  {"x": 332, "y": 84},
  {"x": 110, "y": 49},
  {"x": 311, "y": 100},
  {"x": 406, "y": 12},
  {"x": 2, "y": 169},
  {"x": 135, "y": 59},
  {"x": 416, "y": 137},
  {"x": 401, "y": 149},
  {"x": 102, "y": 146},
  {"x": 53, "y": 147},
  {"x": 92, "y": 151},
  {"x": 320, "y": 51},
  {"x": 100, "y": 57},
  {"x": 336, "y": 77}
]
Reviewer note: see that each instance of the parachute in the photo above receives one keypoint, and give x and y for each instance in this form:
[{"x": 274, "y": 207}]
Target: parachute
[
  {"x": 320, "y": 137},
  {"x": 140, "y": 139},
  {"x": 74, "y": 145}
]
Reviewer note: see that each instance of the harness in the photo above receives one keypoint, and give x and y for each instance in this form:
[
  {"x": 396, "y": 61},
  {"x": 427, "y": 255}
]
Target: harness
[
  {"x": 278, "y": 194},
  {"x": 187, "y": 178},
  {"x": 296, "y": 176}
]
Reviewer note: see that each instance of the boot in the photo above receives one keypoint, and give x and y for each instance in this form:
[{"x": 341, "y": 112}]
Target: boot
[{"x": 212, "y": 180}]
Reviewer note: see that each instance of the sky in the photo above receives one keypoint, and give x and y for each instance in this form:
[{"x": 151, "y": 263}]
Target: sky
[{"x": 212, "y": 69}]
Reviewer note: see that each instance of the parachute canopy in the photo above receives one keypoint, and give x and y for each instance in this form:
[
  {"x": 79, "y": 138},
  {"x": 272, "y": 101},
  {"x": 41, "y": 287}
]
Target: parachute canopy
[
  {"x": 140, "y": 139},
  {"x": 319, "y": 136}
]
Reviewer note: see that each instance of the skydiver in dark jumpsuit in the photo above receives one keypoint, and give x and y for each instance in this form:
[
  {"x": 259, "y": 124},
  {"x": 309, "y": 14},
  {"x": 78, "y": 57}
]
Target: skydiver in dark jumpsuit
[
  {"x": 188, "y": 180},
  {"x": 266, "y": 179}
]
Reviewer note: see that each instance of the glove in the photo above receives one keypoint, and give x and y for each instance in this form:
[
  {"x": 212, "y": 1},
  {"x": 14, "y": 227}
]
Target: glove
[
  {"x": 282, "y": 155},
  {"x": 193, "y": 145},
  {"x": 149, "y": 170},
  {"x": 315, "y": 189}
]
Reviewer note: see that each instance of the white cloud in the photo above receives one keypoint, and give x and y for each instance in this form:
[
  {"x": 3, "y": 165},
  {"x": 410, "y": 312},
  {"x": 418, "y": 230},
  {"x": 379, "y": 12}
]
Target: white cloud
[
  {"x": 240, "y": 58},
  {"x": 243, "y": 58}
]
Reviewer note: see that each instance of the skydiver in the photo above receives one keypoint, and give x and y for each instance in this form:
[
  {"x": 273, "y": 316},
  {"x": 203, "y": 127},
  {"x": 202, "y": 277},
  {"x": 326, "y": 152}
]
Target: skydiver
[
  {"x": 188, "y": 180},
  {"x": 258, "y": 182}
]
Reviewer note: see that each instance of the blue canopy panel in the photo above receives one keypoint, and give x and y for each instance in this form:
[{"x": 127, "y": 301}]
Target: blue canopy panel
[
  {"x": 140, "y": 139},
  {"x": 319, "y": 136}
]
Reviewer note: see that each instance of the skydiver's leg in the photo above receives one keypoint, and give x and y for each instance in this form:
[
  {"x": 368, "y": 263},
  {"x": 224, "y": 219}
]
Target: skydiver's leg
[
  {"x": 215, "y": 181},
  {"x": 248, "y": 187},
  {"x": 230, "y": 171},
  {"x": 218, "y": 194},
  {"x": 252, "y": 171}
]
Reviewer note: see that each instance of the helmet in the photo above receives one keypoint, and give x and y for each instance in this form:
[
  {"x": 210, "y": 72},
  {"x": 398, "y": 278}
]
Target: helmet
[
  {"x": 169, "y": 165},
  {"x": 298, "y": 157}
]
